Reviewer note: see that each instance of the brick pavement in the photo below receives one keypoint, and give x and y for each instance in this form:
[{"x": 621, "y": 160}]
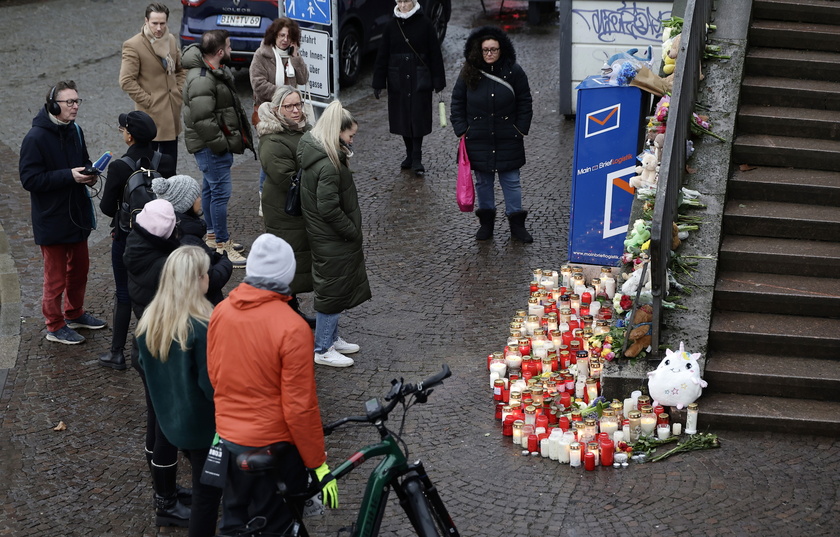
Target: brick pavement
[{"x": 438, "y": 296}]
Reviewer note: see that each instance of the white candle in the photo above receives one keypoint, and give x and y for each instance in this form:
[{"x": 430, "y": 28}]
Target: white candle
[
  {"x": 493, "y": 378},
  {"x": 648, "y": 424},
  {"x": 618, "y": 436},
  {"x": 609, "y": 427},
  {"x": 629, "y": 404},
  {"x": 574, "y": 455},
  {"x": 499, "y": 368},
  {"x": 677, "y": 429},
  {"x": 544, "y": 447},
  {"x": 663, "y": 432}
]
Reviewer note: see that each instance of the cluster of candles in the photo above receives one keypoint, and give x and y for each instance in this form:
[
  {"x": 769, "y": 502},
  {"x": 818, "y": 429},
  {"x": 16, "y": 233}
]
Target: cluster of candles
[{"x": 546, "y": 373}]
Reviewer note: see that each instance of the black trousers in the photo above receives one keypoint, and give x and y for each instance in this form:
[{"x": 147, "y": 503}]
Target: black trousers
[
  {"x": 204, "y": 510},
  {"x": 249, "y": 495}
]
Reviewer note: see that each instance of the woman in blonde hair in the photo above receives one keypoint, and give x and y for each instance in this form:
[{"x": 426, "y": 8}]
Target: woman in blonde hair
[
  {"x": 172, "y": 337},
  {"x": 281, "y": 126},
  {"x": 334, "y": 227}
]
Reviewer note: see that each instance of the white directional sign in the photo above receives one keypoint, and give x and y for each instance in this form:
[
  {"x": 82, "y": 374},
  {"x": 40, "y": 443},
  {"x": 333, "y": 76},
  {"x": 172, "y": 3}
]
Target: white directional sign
[{"x": 315, "y": 51}]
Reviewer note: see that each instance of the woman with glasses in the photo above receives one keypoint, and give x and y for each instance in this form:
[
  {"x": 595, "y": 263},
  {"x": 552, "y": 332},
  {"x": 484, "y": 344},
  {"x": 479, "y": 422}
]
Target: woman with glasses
[
  {"x": 281, "y": 125},
  {"x": 276, "y": 63},
  {"x": 410, "y": 65},
  {"x": 492, "y": 110}
]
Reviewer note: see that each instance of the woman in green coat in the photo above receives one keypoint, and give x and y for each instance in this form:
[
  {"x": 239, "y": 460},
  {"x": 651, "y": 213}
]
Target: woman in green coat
[
  {"x": 334, "y": 225},
  {"x": 172, "y": 339},
  {"x": 281, "y": 126}
]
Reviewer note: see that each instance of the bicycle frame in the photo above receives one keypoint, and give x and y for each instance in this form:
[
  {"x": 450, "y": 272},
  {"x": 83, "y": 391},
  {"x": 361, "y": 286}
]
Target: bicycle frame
[{"x": 386, "y": 472}]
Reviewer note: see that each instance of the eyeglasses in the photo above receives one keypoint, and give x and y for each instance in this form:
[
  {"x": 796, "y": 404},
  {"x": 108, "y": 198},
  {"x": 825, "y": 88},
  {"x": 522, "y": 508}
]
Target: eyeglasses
[
  {"x": 405, "y": 1},
  {"x": 121, "y": 128},
  {"x": 493, "y": 50},
  {"x": 295, "y": 106},
  {"x": 71, "y": 102}
]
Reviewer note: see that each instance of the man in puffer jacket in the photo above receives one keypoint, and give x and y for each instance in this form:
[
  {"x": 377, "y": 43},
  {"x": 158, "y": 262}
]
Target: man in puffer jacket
[{"x": 216, "y": 128}]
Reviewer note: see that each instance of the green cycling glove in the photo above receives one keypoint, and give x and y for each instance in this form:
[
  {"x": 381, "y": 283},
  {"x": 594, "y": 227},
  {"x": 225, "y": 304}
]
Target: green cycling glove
[{"x": 330, "y": 490}]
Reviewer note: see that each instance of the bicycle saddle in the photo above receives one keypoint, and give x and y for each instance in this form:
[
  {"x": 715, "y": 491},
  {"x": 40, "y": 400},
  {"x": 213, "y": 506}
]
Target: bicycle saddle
[{"x": 264, "y": 459}]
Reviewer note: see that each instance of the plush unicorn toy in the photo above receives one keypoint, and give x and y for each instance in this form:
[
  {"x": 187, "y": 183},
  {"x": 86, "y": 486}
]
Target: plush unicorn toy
[{"x": 676, "y": 381}]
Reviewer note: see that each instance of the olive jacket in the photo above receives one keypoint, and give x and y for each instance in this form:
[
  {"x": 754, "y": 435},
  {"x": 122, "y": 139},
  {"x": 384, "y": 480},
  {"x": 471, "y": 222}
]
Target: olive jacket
[
  {"x": 278, "y": 156},
  {"x": 334, "y": 225},
  {"x": 213, "y": 114}
]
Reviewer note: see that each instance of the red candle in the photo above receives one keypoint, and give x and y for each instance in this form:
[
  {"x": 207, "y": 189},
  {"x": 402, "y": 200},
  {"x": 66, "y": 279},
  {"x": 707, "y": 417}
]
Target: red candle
[
  {"x": 542, "y": 421},
  {"x": 565, "y": 400},
  {"x": 607, "y": 449},
  {"x": 586, "y": 298},
  {"x": 563, "y": 423},
  {"x": 499, "y": 410},
  {"x": 507, "y": 425},
  {"x": 589, "y": 461},
  {"x": 658, "y": 409},
  {"x": 533, "y": 444}
]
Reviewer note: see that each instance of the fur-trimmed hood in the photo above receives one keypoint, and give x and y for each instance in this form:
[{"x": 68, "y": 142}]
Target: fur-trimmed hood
[{"x": 507, "y": 54}]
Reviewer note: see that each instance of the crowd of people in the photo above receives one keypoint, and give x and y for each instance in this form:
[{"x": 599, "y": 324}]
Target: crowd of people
[{"x": 173, "y": 256}]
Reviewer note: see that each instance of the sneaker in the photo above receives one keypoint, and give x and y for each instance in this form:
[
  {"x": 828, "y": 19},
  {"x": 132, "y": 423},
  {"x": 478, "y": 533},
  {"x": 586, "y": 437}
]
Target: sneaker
[
  {"x": 346, "y": 348},
  {"x": 86, "y": 320},
  {"x": 210, "y": 240},
  {"x": 65, "y": 335},
  {"x": 235, "y": 257},
  {"x": 333, "y": 358}
]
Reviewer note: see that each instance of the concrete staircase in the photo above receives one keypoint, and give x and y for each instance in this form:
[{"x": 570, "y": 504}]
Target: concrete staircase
[{"x": 774, "y": 342}]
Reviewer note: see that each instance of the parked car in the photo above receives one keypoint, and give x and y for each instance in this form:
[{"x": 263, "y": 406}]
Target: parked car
[{"x": 361, "y": 23}]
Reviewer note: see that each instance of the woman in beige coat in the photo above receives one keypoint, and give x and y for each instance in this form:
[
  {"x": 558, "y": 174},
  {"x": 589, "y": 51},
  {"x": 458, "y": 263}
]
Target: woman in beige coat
[{"x": 277, "y": 63}]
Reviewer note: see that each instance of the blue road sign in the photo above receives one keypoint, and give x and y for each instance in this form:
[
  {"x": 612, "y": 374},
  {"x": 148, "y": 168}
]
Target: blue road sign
[{"x": 315, "y": 11}]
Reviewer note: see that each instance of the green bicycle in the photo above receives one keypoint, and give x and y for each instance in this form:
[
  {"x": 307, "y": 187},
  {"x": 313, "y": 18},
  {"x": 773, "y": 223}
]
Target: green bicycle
[{"x": 417, "y": 494}]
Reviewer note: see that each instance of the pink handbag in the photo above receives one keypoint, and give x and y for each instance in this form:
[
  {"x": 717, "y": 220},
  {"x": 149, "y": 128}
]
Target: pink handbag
[{"x": 465, "y": 189}]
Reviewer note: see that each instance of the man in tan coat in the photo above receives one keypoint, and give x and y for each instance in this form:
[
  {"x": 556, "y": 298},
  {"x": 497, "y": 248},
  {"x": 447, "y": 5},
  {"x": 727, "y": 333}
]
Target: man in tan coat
[{"x": 152, "y": 75}]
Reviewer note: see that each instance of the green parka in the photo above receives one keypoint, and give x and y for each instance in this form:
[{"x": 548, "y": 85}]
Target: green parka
[
  {"x": 334, "y": 225},
  {"x": 278, "y": 156},
  {"x": 213, "y": 114}
]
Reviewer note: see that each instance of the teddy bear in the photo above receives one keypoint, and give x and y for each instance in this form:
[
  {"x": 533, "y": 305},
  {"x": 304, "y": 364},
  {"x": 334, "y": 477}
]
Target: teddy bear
[
  {"x": 646, "y": 174},
  {"x": 640, "y": 331}
]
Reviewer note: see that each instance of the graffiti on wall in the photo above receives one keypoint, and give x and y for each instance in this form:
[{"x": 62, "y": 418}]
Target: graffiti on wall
[{"x": 622, "y": 20}]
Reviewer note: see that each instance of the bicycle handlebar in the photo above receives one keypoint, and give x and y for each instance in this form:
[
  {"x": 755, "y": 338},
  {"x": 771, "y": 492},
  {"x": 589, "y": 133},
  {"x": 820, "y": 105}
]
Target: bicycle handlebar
[{"x": 399, "y": 391}]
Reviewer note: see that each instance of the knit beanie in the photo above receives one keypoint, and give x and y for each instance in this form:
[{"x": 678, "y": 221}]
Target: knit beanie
[
  {"x": 158, "y": 218},
  {"x": 271, "y": 258},
  {"x": 179, "y": 190}
]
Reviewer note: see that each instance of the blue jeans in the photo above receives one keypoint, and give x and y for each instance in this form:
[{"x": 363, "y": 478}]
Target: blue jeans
[
  {"x": 326, "y": 331},
  {"x": 262, "y": 178},
  {"x": 511, "y": 189},
  {"x": 215, "y": 191}
]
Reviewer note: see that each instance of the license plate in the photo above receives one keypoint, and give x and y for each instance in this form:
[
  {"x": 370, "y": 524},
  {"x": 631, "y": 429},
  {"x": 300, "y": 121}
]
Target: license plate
[{"x": 251, "y": 21}]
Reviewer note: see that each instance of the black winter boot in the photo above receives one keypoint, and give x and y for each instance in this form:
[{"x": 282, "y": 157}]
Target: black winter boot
[
  {"x": 184, "y": 494},
  {"x": 406, "y": 163},
  {"x": 417, "y": 157},
  {"x": 115, "y": 358},
  {"x": 168, "y": 510},
  {"x": 517, "y": 227},
  {"x": 294, "y": 303},
  {"x": 487, "y": 221}
]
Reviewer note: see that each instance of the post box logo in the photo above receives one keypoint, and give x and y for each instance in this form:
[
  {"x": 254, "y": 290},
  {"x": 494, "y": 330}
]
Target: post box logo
[
  {"x": 618, "y": 188},
  {"x": 603, "y": 120}
]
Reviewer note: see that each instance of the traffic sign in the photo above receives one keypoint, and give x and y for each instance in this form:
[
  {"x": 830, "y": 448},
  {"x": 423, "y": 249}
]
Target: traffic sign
[{"x": 315, "y": 11}]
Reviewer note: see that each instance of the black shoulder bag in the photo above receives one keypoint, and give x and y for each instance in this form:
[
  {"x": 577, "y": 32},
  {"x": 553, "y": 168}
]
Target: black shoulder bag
[{"x": 293, "y": 195}]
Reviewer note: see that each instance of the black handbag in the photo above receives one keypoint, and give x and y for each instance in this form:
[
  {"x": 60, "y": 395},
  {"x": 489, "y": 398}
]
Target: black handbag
[{"x": 293, "y": 196}]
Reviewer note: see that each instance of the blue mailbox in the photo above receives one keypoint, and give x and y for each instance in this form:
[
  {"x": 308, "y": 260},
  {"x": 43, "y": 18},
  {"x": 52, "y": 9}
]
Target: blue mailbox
[{"x": 608, "y": 137}]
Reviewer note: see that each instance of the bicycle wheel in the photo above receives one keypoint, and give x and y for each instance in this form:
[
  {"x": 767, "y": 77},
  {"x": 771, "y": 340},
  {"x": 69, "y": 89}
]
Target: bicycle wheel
[{"x": 425, "y": 518}]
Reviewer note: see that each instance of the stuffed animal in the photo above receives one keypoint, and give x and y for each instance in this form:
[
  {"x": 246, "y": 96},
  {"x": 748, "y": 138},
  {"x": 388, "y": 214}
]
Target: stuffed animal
[
  {"x": 658, "y": 144},
  {"x": 646, "y": 173},
  {"x": 676, "y": 381},
  {"x": 639, "y": 331}
]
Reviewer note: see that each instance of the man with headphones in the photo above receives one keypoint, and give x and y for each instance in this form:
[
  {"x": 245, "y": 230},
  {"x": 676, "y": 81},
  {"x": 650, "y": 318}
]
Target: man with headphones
[{"x": 53, "y": 158}]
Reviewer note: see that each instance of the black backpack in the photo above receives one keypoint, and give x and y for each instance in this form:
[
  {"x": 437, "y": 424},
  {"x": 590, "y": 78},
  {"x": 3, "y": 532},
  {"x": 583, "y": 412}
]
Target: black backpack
[{"x": 138, "y": 190}]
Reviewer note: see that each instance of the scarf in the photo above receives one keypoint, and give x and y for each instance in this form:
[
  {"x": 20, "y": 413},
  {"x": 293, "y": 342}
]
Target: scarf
[
  {"x": 57, "y": 121},
  {"x": 400, "y": 15},
  {"x": 280, "y": 67},
  {"x": 162, "y": 48}
]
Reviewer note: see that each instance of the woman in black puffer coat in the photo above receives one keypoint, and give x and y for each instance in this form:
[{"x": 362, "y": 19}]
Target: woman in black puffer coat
[{"x": 492, "y": 111}]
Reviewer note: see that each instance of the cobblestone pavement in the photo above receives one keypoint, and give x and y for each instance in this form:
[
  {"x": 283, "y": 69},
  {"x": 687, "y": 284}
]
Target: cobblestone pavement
[{"x": 438, "y": 296}]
